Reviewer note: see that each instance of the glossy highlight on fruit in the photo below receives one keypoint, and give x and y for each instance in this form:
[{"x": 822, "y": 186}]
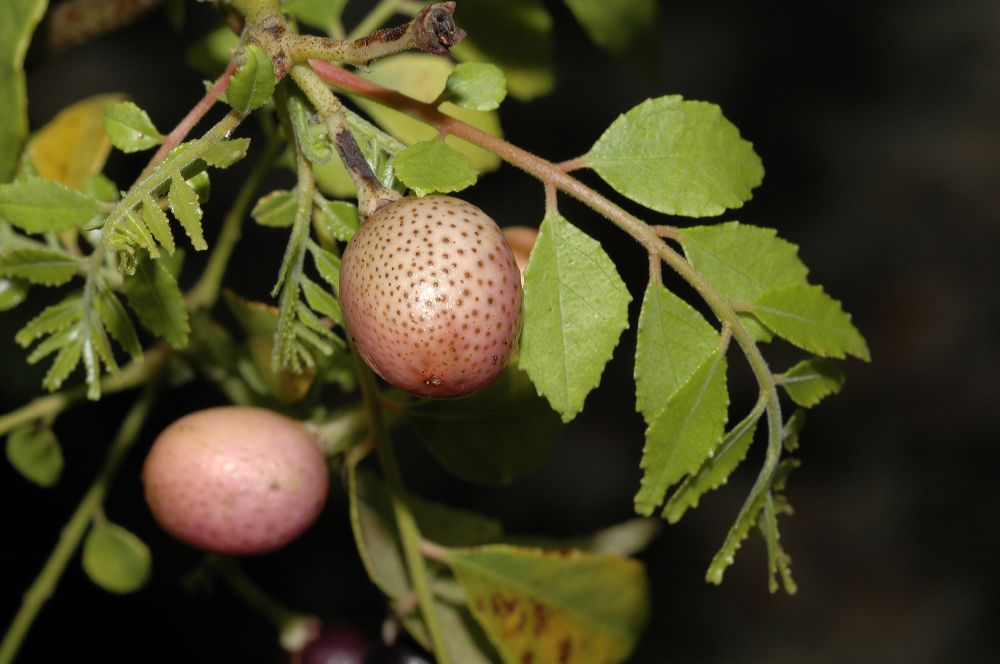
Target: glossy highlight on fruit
[
  {"x": 431, "y": 294},
  {"x": 235, "y": 480}
]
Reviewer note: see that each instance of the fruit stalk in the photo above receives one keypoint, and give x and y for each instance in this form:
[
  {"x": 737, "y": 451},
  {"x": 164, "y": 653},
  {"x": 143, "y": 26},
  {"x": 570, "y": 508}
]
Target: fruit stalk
[
  {"x": 408, "y": 531},
  {"x": 69, "y": 540}
]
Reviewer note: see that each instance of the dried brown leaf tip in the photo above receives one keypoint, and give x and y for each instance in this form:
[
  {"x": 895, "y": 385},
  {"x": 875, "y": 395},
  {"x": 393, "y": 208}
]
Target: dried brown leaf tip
[{"x": 435, "y": 29}]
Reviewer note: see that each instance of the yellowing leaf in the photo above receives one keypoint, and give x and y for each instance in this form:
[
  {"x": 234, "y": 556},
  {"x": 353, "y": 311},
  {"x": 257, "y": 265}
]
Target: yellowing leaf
[
  {"x": 554, "y": 606},
  {"x": 73, "y": 146}
]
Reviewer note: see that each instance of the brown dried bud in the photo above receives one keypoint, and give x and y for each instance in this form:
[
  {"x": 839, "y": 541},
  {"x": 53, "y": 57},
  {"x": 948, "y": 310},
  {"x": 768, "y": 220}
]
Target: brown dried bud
[{"x": 435, "y": 30}]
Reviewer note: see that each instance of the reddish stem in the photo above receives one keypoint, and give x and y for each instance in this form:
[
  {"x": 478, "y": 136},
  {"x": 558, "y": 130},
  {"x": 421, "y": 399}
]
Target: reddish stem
[{"x": 184, "y": 127}]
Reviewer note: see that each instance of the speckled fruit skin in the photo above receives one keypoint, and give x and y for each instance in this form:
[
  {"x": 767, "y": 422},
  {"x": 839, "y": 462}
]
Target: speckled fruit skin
[
  {"x": 432, "y": 295},
  {"x": 235, "y": 480}
]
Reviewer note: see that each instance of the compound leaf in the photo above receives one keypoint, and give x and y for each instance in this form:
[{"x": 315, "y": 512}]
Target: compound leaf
[
  {"x": 129, "y": 127},
  {"x": 253, "y": 82},
  {"x": 684, "y": 433},
  {"x": 478, "y": 86},
  {"x": 559, "y": 605},
  {"x": 156, "y": 221},
  {"x": 40, "y": 206},
  {"x": 677, "y": 157},
  {"x": 812, "y": 320},
  {"x": 39, "y": 265},
  {"x": 153, "y": 294},
  {"x": 673, "y": 341},
  {"x": 35, "y": 453},
  {"x": 575, "y": 309},
  {"x": 115, "y": 559},
  {"x": 432, "y": 166}
]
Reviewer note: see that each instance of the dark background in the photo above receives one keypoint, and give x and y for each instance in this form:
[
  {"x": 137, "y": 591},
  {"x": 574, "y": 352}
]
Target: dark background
[{"x": 879, "y": 127}]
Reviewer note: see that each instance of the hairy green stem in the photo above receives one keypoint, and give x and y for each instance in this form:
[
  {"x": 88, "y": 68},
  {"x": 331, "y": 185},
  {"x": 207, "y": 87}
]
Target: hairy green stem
[
  {"x": 206, "y": 291},
  {"x": 409, "y": 532},
  {"x": 132, "y": 375},
  {"x": 69, "y": 540},
  {"x": 551, "y": 173}
]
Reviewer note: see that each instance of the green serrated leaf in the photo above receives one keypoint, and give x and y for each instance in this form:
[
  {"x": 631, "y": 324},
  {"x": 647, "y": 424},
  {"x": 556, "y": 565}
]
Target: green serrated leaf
[
  {"x": 226, "y": 153},
  {"x": 327, "y": 264},
  {"x": 575, "y": 309},
  {"x": 339, "y": 218},
  {"x": 673, "y": 341},
  {"x": 98, "y": 338},
  {"x": 35, "y": 453},
  {"x": 320, "y": 300},
  {"x": 65, "y": 362},
  {"x": 117, "y": 322},
  {"x": 778, "y": 561},
  {"x": 516, "y": 35},
  {"x": 616, "y": 26},
  {"x": 812, "y": 320},
  {"x": 40, "y": 206},
  {"x": 677, "y": 157},
  {"x": 810, "y": 381},
  {"x": 18, "y": 19},
  {"x": 156, "y": 221},
  {"x": 741, "y": 261},
  {"x": 715, "y": 471},
  {"x": 478, "y": 86},
  {"x": 134, "y": 228},
  {"x": 791, "y": 433},
  {"x": 276, "y": 209},
  {"x": 432, "y": 166},
  {"x": 45, "y": 266},
  {"x": 570, "y": 607},
  {"x": 12, "y": 293},
  {"x": 184, "y": 205},
  {"x": 492, "y": 437},
  {"x": 253, "y": 83},
  {"x": 685, "y": 432},
  {"x": 115, "y": 559},
  {"x": 52, "y": 319},
  {"x": 153, "y": 294},
  {"x": 130, "y": 128},
  {"x": 423, "y": 77},
  {"x": 322, "y": 14}
]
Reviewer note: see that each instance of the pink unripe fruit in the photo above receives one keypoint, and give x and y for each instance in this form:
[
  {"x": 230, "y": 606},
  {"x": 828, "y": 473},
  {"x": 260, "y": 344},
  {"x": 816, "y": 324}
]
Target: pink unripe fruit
[
  {"x": 235, "y": 480},
  {"x": 521, "y": 240},
  {"x": 432, "y": 295}
]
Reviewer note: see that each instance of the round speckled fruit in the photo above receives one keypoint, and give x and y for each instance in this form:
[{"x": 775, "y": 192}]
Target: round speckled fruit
[
  {"x": 432, "y": 295},
  {"x": 235, "y": 480}
]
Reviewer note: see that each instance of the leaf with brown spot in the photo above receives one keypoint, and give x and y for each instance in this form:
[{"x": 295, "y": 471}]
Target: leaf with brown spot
[{"x": 560, "y": 606}]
